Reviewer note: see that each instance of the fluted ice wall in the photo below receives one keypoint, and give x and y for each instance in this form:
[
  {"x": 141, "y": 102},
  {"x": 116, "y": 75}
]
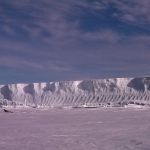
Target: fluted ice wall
[{"x": 116, "y": 91}]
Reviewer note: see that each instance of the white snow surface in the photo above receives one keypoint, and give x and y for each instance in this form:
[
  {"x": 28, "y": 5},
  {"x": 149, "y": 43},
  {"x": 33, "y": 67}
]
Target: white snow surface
[
  {"x": 92, "y": 93},
  {"x": 76, "y": 129}
]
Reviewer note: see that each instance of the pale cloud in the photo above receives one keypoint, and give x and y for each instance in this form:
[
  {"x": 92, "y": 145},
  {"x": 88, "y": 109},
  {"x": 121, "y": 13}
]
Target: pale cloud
[
  {"x": 135, "y": 11},
  {"x": 52, "y": 19},
  {"x": 56, "y": 43},
  {"x": 46, "y": 65}
]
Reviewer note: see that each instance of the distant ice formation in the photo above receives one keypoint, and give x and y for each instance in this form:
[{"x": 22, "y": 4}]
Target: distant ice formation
[{"x": 85, "y": 93}]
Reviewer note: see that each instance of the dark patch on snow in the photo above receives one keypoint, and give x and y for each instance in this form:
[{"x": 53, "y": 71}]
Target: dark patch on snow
[
  {"x": 29, "y": 89},
  {"x": 49, "y": 87},
  {"x": 86, "y": 86},
  {"x": 6, "y": 92},
  {"x": 137, "y": 84}
]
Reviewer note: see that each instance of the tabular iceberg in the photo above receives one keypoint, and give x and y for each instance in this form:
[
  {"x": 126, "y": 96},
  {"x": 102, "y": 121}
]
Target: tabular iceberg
[{"x": 88, "y": 93}]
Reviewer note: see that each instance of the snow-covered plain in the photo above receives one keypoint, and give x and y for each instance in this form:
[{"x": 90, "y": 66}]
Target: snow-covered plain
[{"x": 75, "y": 129}]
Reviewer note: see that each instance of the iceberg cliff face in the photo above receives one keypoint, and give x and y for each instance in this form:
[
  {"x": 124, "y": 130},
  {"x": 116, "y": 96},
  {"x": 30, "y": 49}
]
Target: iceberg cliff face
[{"x": 117, "y": 91}]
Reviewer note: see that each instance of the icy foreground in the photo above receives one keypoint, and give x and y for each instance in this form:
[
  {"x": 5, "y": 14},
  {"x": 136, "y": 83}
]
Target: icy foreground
[
  {"x": 86, "y": 93},
  {"x": 75, "y": 129}
]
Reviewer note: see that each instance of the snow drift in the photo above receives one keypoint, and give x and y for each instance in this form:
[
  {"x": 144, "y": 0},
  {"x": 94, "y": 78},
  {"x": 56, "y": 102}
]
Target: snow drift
[{"x": 85, "y": 93}]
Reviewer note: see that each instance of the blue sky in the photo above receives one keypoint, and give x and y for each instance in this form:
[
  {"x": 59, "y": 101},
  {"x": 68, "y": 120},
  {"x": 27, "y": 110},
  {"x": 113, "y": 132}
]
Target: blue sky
[{"x": 52, "y": 40}]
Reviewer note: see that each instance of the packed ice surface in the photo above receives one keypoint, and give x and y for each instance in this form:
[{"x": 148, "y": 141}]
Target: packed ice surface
[
  {"x": 86, "y": 93},
  {"x": 75, "y": 129}
]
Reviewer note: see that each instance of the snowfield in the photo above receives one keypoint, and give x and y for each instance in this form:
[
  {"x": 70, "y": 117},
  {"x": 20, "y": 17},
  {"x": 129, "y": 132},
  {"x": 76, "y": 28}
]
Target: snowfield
[{"x": 75, "y": 129}]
